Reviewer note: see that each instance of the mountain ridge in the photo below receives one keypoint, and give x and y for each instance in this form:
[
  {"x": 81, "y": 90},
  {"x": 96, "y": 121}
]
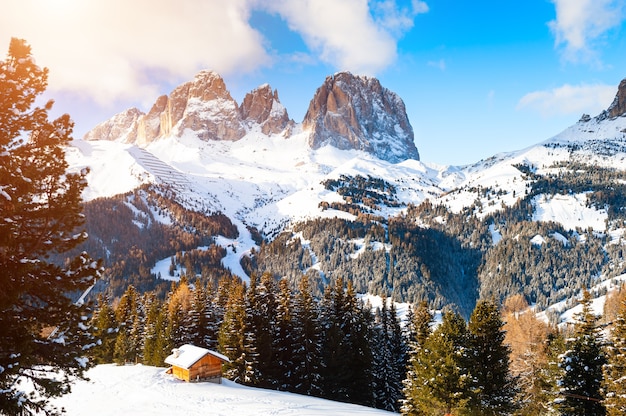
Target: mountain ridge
[
  {"x": 439, "y": 223},
  {"x": 347, "y": 111}
]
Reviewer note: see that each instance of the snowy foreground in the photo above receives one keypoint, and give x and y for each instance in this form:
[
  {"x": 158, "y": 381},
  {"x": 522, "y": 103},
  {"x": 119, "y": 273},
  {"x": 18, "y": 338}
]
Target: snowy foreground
[{"x": 143, "y": 390}]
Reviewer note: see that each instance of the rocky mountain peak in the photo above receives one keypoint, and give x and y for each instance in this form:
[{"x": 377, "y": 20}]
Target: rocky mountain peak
[
  {"x": 347, "y": 112},
  {"x": 262, "y": 106},
  {"x": 618, "y": 107},
  {"x": 356, "y": 112}
]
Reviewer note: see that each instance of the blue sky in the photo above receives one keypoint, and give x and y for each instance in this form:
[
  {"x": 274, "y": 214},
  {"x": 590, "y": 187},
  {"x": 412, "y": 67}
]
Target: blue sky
[{"x": 477, "y": 77}]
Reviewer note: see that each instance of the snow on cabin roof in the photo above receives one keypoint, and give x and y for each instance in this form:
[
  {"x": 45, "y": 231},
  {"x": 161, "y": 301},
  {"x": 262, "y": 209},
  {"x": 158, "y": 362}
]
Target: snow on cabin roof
[{"x": 187, "y": 355}]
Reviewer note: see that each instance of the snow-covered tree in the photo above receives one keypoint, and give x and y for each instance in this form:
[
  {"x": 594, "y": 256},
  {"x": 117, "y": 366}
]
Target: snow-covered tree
[
  {"x": 104, "y": 329},
  {"x": 283, "y": 339},
  {"x": 43, "y": 332},
  {"x": 581, "y": 386},
  {"x": 389, "y": 364}
]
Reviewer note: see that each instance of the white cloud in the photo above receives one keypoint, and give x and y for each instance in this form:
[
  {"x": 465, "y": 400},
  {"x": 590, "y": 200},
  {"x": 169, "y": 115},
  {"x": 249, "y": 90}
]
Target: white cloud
[
  {"x": 113, "y": 50},
  {"x": 347, "y": 34},
  {"x": 117, "y": 49},
  {"x": 579, "y": 24},
  {"x": 569, "y": 99}
]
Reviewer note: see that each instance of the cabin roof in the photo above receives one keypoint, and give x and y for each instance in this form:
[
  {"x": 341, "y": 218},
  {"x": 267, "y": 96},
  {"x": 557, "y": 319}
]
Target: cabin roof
[{"x": 187, "y": 355}]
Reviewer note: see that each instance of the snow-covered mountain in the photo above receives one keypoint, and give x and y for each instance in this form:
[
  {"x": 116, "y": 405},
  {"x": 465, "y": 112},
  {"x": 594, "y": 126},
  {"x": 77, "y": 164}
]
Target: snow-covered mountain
[
  {"x": 254, "y": 164},
  {"x": 263, "y": 170}
]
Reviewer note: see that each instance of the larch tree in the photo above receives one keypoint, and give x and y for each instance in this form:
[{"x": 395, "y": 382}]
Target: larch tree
[
  {"x": 583, "y": 361},
  {"x": 615, "y": 370},
  {"x": 43, "y": 331},
  {"x": 527, "y": 336}
]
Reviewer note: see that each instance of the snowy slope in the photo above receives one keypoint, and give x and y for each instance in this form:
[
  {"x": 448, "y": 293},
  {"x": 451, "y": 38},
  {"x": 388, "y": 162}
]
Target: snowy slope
[
  {"x": 143, "y": 390},
  {"x": 268, "y": 181}
]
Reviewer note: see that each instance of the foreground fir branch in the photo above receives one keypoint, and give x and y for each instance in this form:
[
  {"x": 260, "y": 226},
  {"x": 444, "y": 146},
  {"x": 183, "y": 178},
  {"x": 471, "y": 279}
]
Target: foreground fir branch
[{"x": 43, "y": 333}]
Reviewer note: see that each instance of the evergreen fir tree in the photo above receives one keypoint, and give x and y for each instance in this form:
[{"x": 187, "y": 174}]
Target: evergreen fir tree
[
  {"x": 581, "y": 385},
  {"x": 346, "y": 354},
  {"x": 154, "y": 343},
  {"x": 284, "y": 339},
  {"x": 40, "y": 215},
  {"x": 615, "y": 371},
  {"x": 126, "y": 314},
  {"x": 493, "y": 388},
  {"x": 261, "y": 319},
  {"x": 104, "y": 329},
  {"x": 438, "y": 372},
  {"x": 388, "y": 359},
  {"x": 306, "y": 340},
  {"x": 416, "y": 331},
  {"x": 234, "y": 339},
  {"x": 200, "y": 317}
]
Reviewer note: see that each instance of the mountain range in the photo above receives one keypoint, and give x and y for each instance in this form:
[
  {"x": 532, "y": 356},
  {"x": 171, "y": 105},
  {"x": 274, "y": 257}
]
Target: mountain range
[{"x": 353, "y": 160}]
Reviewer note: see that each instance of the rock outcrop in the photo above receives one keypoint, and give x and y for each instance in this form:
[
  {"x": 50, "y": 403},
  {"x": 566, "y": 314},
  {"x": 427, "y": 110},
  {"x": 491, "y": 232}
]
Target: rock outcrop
[
  {"x": 356, "y": 112},
  {"x": 347, "y": 112},
  {"x": 121, "y": 127},
  {"x": 262, "y": 107},
  {"x": 618, "y": 107}
]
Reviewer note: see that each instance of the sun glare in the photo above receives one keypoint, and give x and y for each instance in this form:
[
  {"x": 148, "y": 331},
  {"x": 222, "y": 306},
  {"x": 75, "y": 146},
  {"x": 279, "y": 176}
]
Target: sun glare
[{"x": 60, "y": 7}]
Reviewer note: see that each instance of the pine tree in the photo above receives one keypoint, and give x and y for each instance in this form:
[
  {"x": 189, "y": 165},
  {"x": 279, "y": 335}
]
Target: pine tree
[
  {"x": 236, "y": 340},
  {"x": 493, "y": 388},
  {"x": 127, "y": 344},
  {"x": 438, "y": 371},
  {"x": 261, "y": 320},
  {"x": 417, "y": 330},
  {"x": 284, "y": 339},
  {"x": 154, "y": 339},
  {"x": 388, "y": 368},
  {"x": 40, "y": 214},
  {"x": 104, "y": 329},
  {"x": 615, "y": 371},
  {"x": 307, "y": 344},
  {"x": 346, "y": 353},
  {"x": 581, "y": 385}
]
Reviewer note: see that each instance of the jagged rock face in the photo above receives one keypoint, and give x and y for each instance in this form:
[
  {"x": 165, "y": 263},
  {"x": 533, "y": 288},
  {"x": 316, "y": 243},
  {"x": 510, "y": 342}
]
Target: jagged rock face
[
  {"x": 356, "y": 112},
  {"x": 122, "y": 127},
  {"x": 203, "y": 105},
  {"x": 263, "y": 107},
  {"x": 618, "y": 107},
  {"x": 209, "y": 110},
  {"x": 347, "y": 112}
]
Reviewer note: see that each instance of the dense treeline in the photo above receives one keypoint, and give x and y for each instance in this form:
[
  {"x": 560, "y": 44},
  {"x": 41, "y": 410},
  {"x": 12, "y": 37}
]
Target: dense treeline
[
  {"x": 430, "y": 253},
  {"x": 496, "y": 363}
]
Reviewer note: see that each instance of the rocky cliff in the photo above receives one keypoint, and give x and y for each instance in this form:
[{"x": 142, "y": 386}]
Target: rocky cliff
[
  {"x": 263, "y": 107},
  {"x": 356, "y": 112},
  {"x": 347, "y": 112},
  {"x": 618, "y": 107}
]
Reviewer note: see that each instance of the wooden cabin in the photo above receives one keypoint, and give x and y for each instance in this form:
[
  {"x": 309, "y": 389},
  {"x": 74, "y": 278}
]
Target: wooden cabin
[{"x": 191, "y": 363}]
